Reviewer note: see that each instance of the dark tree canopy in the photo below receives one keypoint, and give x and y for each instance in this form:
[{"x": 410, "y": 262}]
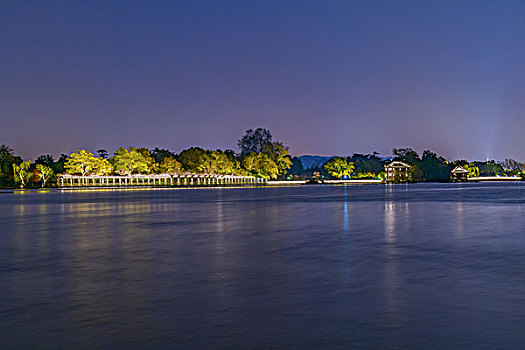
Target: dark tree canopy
[
  {"x": 102, "y": 153},
  {"x": 159, "y": 154},
  {"x": 7, "y": 159},
  {"x": 407, "y": 154},
  {"x": 367, "y": 163},
  {"x": 433, "y": 167},
  {"x": 45, "y": 159},
  {"x": 230, "y": 154},
  {"x": 253, "y": 141},
  {"x": 297, "y": 167}
]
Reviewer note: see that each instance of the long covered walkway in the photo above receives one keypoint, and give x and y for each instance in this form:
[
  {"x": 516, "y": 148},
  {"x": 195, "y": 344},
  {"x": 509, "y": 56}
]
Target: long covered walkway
[{"x": 157, "y": 180}]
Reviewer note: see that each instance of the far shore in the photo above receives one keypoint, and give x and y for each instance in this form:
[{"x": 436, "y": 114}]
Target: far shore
[{"x": 274, "y": 183}]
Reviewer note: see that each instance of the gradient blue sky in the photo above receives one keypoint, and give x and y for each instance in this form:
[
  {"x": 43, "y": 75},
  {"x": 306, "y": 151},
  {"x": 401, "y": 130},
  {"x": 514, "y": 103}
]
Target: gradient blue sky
[{"x": 326, "y": 77}]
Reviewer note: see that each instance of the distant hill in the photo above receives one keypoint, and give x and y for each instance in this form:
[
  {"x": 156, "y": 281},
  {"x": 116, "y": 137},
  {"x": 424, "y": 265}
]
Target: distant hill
[{"x": 313, "y": 161}]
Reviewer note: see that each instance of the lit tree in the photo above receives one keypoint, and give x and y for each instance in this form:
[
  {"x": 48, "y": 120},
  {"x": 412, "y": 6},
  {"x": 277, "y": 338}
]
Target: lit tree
[
  {"x": 22, "y": 174},
  {"x": 339, "y": 167},
  {"x": 197, "y": 160},
  {"x": 45, "y": 173},
  {"x": 103, "y": 167},
  {"x": 473, "y": 170},
  {"x": 81, "y": 162},
  {"x": 221, "y": 163},
  {"x": 170, "y": 165},
  {"x": 148, "y": 157},
  {"x": 279, "y": 154},
  {"x": 128, "y": 162},
  {"x": 260, "y": 165}
]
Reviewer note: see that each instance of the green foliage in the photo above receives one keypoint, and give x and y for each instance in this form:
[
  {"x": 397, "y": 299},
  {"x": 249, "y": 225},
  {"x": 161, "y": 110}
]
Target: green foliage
[
  {"x": 7, "y": 159},
  {"x": 103, "y": 167},
  {"x": 222, "y": 164},
  {"x": 473, "y": 170},
  {"x": 367, "y": 165},
  {"x": 170, "y": 165},
  {"x": 198, "y": 160},
  {"x": 260, "y": 165},
  {"x": 277, "y": 152},
  {"x": 489, "y": 168},
  {"x": 365, "y": 175},
  {"x": 430, "y": 167},
  {"x": 259, "y": 141},
  {"x": 45, "y": 173},
  {"x": 22, "y": 173},
  {"x": 339, "y": 167},
  {"x": 195, "y": 160},
  {"x": 127, "y": 162},
  {"x": 82, "y": 162},
  {"x": 149, "y": 159},
  {"x": 47, "y": 160}
]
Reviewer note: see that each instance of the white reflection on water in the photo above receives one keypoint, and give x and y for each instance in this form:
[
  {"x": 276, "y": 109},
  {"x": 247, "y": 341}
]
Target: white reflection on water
[
  {"x": 396, "y": 221},
  {"x": 219, "y": 239},
  {"x": 460, "y": 218},
  {"x": 390, "y": 222},
  {"x": 346, "y": 216}
]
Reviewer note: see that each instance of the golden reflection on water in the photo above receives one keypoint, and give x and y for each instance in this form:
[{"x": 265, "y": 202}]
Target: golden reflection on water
[
  {"x": 43, "y": 229},
  {"x": 108, "y": 254}
]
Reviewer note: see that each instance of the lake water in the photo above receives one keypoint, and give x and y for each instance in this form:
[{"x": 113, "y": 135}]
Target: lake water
[{"x": 427, "y": 266}]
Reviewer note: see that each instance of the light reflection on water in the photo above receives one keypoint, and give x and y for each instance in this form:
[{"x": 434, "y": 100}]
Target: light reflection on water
[{"x": 396, "y": 266}]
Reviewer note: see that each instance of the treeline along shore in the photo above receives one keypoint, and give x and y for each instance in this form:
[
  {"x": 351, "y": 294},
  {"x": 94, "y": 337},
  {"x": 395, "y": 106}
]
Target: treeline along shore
[{"x": 259, "y": 156}]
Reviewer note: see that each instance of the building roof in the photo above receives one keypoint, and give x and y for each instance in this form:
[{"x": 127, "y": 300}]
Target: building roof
[
  {"x": 459, "y": 170},
  {"x": 398, "y": 165}
]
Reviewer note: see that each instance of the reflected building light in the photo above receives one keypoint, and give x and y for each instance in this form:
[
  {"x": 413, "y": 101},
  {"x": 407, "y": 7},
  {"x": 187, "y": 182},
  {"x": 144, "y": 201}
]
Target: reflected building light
[
  {"x": 460, "y": 215},
  {"x": 390, "y": 221},
  {"x": 21, "y": 208},
  {"x": 42, "y": 208},
  {"x": 392, "y": 276}
]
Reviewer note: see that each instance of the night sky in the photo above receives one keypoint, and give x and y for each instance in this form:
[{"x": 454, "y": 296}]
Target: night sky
[{"x": 326, "y": 77}]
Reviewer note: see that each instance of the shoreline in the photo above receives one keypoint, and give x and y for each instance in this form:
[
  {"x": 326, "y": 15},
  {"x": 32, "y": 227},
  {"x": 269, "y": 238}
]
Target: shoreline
[{"x": 269, "y": 184}]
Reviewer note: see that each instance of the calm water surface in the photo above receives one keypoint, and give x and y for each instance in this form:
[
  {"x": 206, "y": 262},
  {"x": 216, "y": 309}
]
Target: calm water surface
[{"x": 404, "y": 266}]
